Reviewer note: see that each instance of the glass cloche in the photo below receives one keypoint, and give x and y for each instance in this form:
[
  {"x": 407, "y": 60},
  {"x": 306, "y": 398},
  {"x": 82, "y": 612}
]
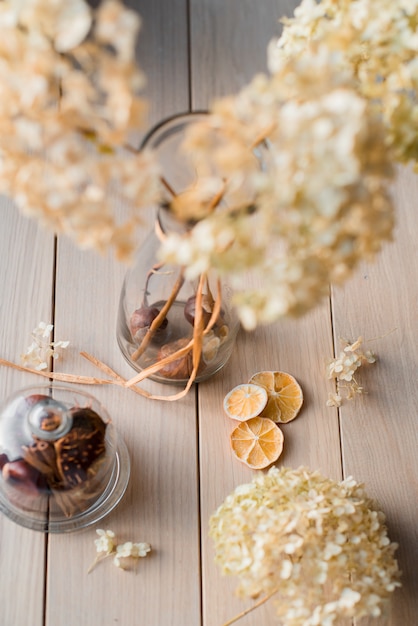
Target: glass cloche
[{"x": 63, "y": 466}]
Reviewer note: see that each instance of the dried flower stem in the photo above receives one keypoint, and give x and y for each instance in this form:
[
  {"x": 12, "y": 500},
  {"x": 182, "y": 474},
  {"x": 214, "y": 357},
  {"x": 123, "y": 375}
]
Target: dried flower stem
[
  {"x": 152, "y": 369},
  {"x": 99, "y": 558},
  {"x": 151, "y": 272},
  {"x": 65, "y": 378},
  {"x": 167, "y": 186},
  {"x": 119, "y": 380},
  {"x": 263, "y": 136},
  {"x": 158, "y": 320},
  {"x": 217, "y": 198},
  {"x": 105, "y": 368},
  {"x": 251, "y": 608}
]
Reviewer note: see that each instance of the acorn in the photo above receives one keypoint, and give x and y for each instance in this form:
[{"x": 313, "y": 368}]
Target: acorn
[{"x": 141, "y": 320}]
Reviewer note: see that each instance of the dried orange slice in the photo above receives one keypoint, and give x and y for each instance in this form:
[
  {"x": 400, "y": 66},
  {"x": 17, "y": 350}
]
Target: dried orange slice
[
  {"x": 285, "y": 396},
  {"x": 257, "y": 442},
  {"x": 245, "y": 401}
]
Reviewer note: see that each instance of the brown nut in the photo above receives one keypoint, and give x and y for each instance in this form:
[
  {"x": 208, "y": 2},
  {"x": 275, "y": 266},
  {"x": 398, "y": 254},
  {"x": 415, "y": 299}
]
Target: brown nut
[
  {"x": 21, "y": 475},
  {"x": 190, "y": 310},
  {"x": 141, "y": 320}
]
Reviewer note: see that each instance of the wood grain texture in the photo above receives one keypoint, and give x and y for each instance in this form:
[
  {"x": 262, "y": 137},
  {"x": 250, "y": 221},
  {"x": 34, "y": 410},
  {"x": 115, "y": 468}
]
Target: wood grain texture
[
  {"x": 27, "y": 254},
  {"x": 160, "y": 506},
  {"x": 379, "y": 430},
  {"x": 229, "y": 43},
  {"x": 312, "y": 439},
  {"x": 182, "y": 466},
  {"x": 228, "y": 47}
]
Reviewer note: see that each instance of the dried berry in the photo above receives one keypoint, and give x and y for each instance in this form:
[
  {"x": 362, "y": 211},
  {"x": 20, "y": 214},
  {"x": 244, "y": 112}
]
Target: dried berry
[{"x": 141, "y": 320}]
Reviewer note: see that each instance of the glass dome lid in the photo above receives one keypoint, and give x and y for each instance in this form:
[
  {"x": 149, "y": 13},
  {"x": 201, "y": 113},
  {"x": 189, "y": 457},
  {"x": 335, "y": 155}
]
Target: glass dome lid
[{"x": 63, "y": 467}]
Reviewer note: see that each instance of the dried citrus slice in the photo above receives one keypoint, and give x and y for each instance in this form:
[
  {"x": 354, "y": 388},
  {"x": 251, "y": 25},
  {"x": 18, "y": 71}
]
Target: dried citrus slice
[
  {"x": 285, "y": 396},
  {"x": 245, "y": 401},
  {"x": 257, "y": 442}
]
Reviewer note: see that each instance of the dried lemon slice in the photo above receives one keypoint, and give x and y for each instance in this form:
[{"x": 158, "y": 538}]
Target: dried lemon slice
[
  {"x": 257, "y": 442},
  {"x": 245, "y": 401},
  {"x": 285, "y": 396}
]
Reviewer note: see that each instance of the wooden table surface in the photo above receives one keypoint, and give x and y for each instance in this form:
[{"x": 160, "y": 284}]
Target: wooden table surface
[{"x": 182, "y": 467}]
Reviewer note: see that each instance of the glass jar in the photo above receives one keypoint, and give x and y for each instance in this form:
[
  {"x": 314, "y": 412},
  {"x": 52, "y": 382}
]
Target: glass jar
[
  {"x": 62, "y": 464},
  {"x": 151, "y": 288}
]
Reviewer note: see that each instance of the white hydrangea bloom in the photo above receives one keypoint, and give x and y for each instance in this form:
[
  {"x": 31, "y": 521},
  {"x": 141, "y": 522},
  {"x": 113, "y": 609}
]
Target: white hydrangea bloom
[
  {"x": 343, "y": 368},
  {"x": 321, "y": 545},
  {"x": 306, "y": 196},
  {"x": 70, "y": 102},
  {"x": 42, "y": 349},
  {"x": 378, "y": 39},
  {"x": 106, "y": 542}
]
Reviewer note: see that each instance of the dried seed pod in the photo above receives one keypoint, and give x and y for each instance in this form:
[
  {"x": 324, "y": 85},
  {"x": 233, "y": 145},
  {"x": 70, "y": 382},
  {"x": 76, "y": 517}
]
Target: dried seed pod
[
  {"x": 23, "y": 476},
  {"x": 181, "y": 368},
  {"x": 190, "y": 309},
  {"x": 141, "y": 320},
  {"x": 68, "y": 461},
  {"x": 210, "y": 347},
  {"x": 3, "y": 460},
  {"x": 79, "y": 449}
]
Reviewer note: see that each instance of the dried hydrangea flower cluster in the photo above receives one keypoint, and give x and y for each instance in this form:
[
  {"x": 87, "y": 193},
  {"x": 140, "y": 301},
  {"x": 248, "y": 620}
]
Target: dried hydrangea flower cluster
[
  {"x": 293, "y": 170},
  {"x": 42, "y": 349},
  {"x": 322, "y": 544},
  {"x": 70, "y": 99},
  {"x": 343, "y": 368},
  {"x": 106, "y": 545},
  {"x": 298, "y": 160},
  {"x": 378, "y": 40}
]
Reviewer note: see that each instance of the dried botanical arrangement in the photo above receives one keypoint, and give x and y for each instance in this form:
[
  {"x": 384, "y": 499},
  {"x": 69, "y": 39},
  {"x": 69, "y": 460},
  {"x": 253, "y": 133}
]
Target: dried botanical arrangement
[
  {"x": 316, "y": 134},
  {"x": 67, "y": 469},
  {"x": 293, "y": 171},
  {"x": 318, "y": 546},
  {"x": 267, "y": 399}
]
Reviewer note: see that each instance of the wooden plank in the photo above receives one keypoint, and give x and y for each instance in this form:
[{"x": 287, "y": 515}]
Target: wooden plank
[
  {"x": 229, "y": 46},
  {"x": 160, "y": 506},
  {"x": 379, "y": 432},
  {"x": 26, "y": 290},
  {"x": 229, "y": 43},
  {"x": 298, "y": 347}
]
